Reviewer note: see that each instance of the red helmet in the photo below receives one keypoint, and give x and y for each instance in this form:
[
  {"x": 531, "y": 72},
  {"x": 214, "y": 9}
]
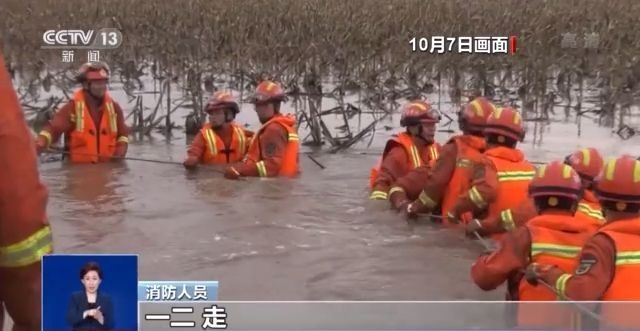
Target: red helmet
[
  {"x": 93, "y": 71},
  {"x": 619, "y": 181},
  {"x": 476, "y": 113},
  {"x": 222, "y": 100},
  {"x": 418, "y": 112},
  {"x": 556, "y": 179},
  {"x": 587, "y": 162},
  {"x": 505, "y": 122},
  {"x": 268, "y": 91}
]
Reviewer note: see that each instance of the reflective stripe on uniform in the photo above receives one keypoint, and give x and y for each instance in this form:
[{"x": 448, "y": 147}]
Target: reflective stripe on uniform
[
  {"x": 47, "y": 135},
  {"x": 511, "y": 176},
  {"x": 378, "y": 195},
  {"x": 561, "y": 285},
  {"x": 426, "y": 200},
  {"x": 624, "y": 258},
  {"x": 555, "y": 250},
  {"x": 415, "y": 156},
  {"x": 433, "y": 151},
  {"x": 476, "y": 197},
  {"x": 242, "y": 140},
  {"x": 27, "y": 251},
  {"x": 292, "y": 137},
  {"x": 586, "y": 209},
  {"x": 123, "y": 139},
  {"x": 111, "y": 113},
  {"x": 507, "y": 220},
  {"x": 262, "y": 169},
  {"x": 395, "y": 189},
  {"x": 79, "y": 118},
  {"x": 210, "y": 137}
]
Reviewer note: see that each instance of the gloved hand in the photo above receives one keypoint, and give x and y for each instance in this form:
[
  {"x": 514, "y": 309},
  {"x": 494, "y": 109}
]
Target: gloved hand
[
  {"x": 531, "y": 274},
  {"x": 411, "y": 211},
  {"x": 190, "y": 163},
  {"x": 231, "y": 173},
  {"x": 120, "y": 152},
  {"x": 472, "y": 227}
]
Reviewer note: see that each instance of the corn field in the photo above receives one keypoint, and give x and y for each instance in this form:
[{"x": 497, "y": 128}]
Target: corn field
[{"x": 332, "y": 48}]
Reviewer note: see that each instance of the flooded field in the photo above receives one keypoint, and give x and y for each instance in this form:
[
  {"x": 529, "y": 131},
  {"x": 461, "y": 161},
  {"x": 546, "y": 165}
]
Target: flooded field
[{"x": 314, "y": 238}]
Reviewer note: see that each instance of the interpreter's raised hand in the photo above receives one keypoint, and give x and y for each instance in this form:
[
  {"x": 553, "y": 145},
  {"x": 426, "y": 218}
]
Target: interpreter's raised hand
[{"x": 98, "y": 315}]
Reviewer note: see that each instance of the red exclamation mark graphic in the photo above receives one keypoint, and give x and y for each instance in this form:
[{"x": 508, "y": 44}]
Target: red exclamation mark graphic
[{"x": 513, "y": 43}]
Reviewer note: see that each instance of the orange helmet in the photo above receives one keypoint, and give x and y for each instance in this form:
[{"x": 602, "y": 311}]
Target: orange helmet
[
  {"x": 93, "y": 71},
  {"x": 268, "y": 91},
  {"x": 587, "y": 162},
  {"x": 556, "y": 179},
  {"x": 222, "y": 100},
  {"x": 418, "y": 112},
  {"x": 475, "y": 114},
  {"x": 505, "y": 122},
  {"x": 619, "y": 182}
]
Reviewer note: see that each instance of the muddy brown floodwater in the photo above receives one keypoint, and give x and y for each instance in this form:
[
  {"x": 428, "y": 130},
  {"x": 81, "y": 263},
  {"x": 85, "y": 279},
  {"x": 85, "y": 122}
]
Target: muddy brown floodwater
[{"x": 313, "y": 238}]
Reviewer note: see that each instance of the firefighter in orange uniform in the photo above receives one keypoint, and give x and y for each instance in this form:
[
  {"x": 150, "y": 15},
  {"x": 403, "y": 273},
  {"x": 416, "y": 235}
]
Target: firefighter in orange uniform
[
  {"x": 220, "y": 141},
  {"x": 273, "y": 150},
  {"x": 92, "y": 122},
  {"x": 555, "y": 236},
  {"x": 451, "y": 174},
  {"x": 405, "y": 151},
  {"x": 587, "y": 163},
  {"x": 25, "y": 235},
  {"x": 609, "y": 263},
  {"x": 500, "y": 180}
]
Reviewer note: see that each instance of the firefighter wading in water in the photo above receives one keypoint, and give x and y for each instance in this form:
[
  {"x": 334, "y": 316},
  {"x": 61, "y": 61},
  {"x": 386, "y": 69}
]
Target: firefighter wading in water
[
  {"x": 609, "y": 263},
  {"x": 405, "y": 151},
  {"x": 451, "y": 174},
  {"x": 501, "y": 179},
  {"x": 25, "y": 235},
  {"x": 273, "y": 150},
  {"x": 587, "y": 162},
  {"x": 92, "y": 122},
  {"x": 220, "y": 141},
  {"x": 555, "y": 236}
]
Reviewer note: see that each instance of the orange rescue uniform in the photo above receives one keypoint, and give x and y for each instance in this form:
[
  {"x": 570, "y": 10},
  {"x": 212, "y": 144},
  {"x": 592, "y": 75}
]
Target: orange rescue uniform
[
  {"x": 500, "y": 181},
  {"x": 609, "y": 270},
  {"x": 552, "y": 238},
  {"x": 25, "y": 235},
  {"x": 229, "y": 144},
  {"x": 450, "y": 177},
  {"x": 273, "y": 150},
  {"x": 588, "y": 210},
  {"x": 93, "y": 132},
  {"x": 400, "y": 156}
]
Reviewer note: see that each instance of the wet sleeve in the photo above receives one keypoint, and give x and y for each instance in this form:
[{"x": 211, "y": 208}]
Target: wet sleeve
[
  {"x": 23, "y": 197},
  {"x": 508, "y": 219},
  {"x": 593, "y": 275},
  {"x": 483, "y": 189},
  {"x": 413, "y": 182},
  {"x": 438, "y": 178},
  {"x": 273, "y": 144},
  {"x": 489, "y": 271},
  {"x": 393, "y": 166},
  {"x": 61, "y": 123},
  {"x": 196, "y": 149},
  {"x": 123, "y": 129}
]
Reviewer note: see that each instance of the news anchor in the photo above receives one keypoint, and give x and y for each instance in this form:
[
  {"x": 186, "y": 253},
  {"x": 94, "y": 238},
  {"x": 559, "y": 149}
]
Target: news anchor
[{"x": 90, "y": 309}]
